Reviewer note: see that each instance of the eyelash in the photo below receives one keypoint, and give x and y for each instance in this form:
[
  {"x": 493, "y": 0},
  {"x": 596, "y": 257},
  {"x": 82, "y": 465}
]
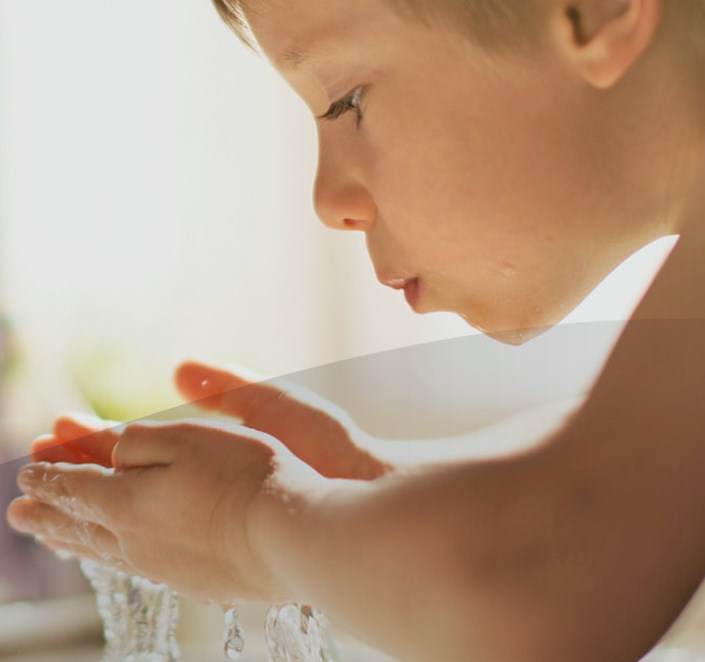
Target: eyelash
[{"x": 349, "y": 102}]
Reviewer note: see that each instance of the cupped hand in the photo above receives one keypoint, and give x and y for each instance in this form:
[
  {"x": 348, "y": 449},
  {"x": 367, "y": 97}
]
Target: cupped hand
[
  {"x": 174, "y": 509},
  {"x": 315, "y": 430}
]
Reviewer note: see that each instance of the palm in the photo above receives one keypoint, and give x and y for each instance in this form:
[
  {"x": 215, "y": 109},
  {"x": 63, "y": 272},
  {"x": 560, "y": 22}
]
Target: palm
[{"x": 313, "y": 429}]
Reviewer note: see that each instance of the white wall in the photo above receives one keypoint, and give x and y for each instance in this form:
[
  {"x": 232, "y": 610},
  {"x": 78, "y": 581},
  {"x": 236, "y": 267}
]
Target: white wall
[
  {"x": 155, "y": 204},
  {"x": 156, "y": 193}
]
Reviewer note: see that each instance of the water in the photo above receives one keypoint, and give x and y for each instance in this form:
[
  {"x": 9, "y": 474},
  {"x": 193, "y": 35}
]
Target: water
[
  {"x": 234, "y": 640},
  {"x": 139, "y": 623},
  {"x": 297, "y": 634},
  {"x": 139, "y": 617}
]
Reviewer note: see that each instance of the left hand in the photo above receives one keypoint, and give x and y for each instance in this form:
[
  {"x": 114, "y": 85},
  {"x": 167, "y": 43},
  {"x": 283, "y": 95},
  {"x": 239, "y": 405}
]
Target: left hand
[
  {"x": 312, "y": 428},
  {"x": 78, "y": 439},
  {"x": 319, "y": 432},
  {"x": 174, "y": 509}
]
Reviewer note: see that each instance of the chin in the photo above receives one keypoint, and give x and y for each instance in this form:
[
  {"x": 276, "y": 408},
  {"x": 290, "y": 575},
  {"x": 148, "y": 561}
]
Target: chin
[
  {"x": 508, "y": 336},
  {"x": 516, "y": 336}
]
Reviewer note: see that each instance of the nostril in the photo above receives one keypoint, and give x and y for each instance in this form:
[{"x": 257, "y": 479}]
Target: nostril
[{"x": 351, "y": 224}]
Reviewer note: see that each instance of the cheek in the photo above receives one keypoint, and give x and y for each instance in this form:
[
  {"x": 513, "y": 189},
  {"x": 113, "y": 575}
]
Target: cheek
[
  {"x": 485, "y": 202},
  {"x": 434, "y": 199}
]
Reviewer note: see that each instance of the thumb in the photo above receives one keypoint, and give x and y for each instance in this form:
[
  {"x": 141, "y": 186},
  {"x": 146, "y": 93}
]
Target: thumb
[{"x": 221, "y": 390}]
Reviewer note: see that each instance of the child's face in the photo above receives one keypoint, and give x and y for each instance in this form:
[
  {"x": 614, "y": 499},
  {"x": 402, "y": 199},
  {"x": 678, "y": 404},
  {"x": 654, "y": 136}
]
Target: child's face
[{"x": 492, "y": 183}]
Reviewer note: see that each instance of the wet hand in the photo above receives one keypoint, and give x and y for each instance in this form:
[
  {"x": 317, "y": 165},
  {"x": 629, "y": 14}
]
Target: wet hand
[
  {"x": 175, "y": 509},
  {"x": 315, "y": 430}
]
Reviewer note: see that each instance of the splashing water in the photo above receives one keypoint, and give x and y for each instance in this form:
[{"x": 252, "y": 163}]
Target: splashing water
[
  {"x": 297, "y": 633},
  {"x": 139, "y": 617},
  {"x": 234, "y": 640},
  {"x": 139, "y": 622}
]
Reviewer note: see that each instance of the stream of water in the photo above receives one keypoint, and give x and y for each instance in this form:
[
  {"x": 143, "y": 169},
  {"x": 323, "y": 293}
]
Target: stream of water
[
  {"x": 139, "y": 617},
  {"x": 139, "y": 623}
]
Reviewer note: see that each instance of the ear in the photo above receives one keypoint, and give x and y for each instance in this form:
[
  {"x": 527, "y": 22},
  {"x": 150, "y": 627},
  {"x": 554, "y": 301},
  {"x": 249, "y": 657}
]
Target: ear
[{"x": 604, "y": 38}]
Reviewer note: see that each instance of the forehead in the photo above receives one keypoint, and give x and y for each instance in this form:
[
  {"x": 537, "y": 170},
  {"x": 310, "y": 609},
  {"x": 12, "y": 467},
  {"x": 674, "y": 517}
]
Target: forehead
[{"x": 292, "y": 31}]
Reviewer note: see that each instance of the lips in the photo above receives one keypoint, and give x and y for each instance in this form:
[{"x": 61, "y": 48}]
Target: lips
[
  {"x": 409, "y": 285},
  {"x": 396, "y": 283}
]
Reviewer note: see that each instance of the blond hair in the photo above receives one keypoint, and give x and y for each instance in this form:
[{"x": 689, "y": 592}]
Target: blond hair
[
  {"x": 490, "y": 23},
  {"x": 484, "y": 20}
]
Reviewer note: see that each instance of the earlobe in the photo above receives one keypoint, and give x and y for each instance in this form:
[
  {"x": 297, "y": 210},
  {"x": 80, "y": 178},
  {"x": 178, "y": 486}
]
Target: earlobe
[{"x": 604, "y": 38}]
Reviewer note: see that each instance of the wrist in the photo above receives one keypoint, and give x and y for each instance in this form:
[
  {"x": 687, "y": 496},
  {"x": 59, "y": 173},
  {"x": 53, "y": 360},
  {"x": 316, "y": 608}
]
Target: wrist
[{"x": 283, "y": 524}]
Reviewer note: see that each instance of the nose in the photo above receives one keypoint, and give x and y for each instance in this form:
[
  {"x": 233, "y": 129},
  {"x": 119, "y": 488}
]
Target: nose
[{"x": 340, "y": 197}]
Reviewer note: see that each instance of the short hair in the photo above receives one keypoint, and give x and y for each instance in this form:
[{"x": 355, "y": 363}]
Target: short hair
[
  {"x": 490, "y": 23},
  {"x": 487, "y": 21},
  {"x": 231, "y": 14}
]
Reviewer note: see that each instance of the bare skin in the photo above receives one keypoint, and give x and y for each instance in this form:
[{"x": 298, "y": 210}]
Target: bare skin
[{"x": 585, "y": 546}]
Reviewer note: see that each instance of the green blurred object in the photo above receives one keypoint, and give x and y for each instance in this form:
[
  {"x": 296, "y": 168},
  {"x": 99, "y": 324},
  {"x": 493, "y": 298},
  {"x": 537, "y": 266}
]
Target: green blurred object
[{"x": 118, "y": 384}]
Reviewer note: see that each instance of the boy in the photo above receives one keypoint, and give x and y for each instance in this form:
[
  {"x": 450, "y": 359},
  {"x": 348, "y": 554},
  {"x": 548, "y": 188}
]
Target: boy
[{"x": 501, "y": 159}]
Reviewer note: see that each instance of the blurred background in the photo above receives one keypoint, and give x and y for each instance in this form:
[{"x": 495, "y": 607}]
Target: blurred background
[{"x": 155, "y": 204}]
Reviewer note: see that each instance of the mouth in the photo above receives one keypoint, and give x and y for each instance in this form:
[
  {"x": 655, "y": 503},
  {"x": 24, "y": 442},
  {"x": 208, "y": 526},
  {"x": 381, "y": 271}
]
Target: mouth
[{"x": 410, "y": 286}]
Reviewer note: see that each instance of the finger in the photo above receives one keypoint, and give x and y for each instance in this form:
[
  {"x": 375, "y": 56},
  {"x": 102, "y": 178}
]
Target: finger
[
  {"x": 57, "y": 529},
  {"x": 78, "y": 424},
  {"x": 88, "y": 436},
  {"x": 218, "y": 389},
  {"x": 81, "y": 491},
  {"x": 146, "y": 444},
  {"x": 50, "y": 448},
  {"x": 68, "y": 551}
]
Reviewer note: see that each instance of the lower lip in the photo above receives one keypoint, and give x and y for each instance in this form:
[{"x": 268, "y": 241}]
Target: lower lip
[{"x": 411, "y": 293}]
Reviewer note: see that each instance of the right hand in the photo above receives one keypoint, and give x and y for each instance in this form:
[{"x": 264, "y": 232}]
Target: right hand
[
  {"x": 315, "y": 430},
  {"x": 178, "y": 507}
]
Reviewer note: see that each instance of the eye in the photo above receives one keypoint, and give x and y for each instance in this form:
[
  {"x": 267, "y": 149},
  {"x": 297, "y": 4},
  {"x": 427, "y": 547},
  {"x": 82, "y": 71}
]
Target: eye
[{"x": 349, "y": 102}]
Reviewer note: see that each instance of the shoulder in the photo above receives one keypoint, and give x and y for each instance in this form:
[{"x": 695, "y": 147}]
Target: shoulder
[{"x": 631, "y": 462}]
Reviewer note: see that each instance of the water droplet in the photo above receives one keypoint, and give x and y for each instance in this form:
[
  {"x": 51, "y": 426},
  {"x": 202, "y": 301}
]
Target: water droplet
[{"x": 234, "y": 641}]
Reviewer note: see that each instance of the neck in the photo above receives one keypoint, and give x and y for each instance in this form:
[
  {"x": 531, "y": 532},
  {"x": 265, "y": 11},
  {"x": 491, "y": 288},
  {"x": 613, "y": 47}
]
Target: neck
[
  {"x": 678, "y": 292},
  {"x": 691, "y": 222},
  {"x": 668, "y": 105}
]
